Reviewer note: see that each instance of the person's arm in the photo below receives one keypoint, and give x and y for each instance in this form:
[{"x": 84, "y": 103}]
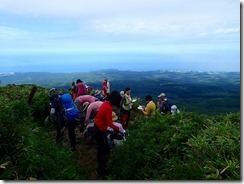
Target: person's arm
[
  {"x": 127, "y": 101},
  {"x": 110, "y": 122},
  {"x": 147, "y": 110},
  {"x": 88, "y": 113}
]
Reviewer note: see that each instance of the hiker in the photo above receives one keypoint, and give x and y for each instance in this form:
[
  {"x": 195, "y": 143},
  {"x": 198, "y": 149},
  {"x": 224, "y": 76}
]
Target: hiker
[
  {"x": 108, "y": 85},
  {"x": 150, "y": 108},
  {"x": 102, "y": 121},
  {"x": 164, "y": 104},
  {"x": 126, "y": 108},
  {"x": 90, "y": 91},
  {"x": 81, "y": 102},
  {"x": 80, "y": 88},
  {"x": 63, "y": 112},
  {"x": 92, "y": 110},
  {"x": 105, "y": 87},
  {"x": 174, "y": 110},
  {"x": 98, "y": 95},
  {"x": 72, "y": 90}
]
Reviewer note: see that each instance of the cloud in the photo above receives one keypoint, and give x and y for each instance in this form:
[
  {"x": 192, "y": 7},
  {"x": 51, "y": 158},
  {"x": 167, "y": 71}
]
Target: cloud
[
  {"x": 11, "y": 33},
  {"x": 117, "y": 24}
]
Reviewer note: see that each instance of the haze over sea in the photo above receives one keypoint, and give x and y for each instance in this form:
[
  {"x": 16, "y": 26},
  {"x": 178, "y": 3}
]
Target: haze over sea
[{"x": 85, "y": 62}]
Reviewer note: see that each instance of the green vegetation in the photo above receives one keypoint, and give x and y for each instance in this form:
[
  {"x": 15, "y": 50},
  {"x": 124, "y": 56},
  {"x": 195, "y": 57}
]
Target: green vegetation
[
  {"x": 27, "y": 147},
  {"x": 187, "y": 146}
]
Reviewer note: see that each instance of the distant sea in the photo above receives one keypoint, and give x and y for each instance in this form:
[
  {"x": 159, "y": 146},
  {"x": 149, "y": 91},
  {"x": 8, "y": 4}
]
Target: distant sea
[{"x": 85, "y": 62}]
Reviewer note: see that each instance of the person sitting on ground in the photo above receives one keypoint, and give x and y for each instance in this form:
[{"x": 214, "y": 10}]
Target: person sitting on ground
[
  {"x": 164, "y": 104},
  {"x": 150, "y": 108},
  {"x": 174, "y": 110},
  {"x": 161, "y": 98}
]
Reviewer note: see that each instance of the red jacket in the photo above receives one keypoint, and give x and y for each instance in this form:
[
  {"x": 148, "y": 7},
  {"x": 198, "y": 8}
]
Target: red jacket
[{"x": 103, "y": 119}]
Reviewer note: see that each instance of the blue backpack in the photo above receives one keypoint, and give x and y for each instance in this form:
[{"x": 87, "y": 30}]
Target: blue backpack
[{"x": 71, "y": 111}]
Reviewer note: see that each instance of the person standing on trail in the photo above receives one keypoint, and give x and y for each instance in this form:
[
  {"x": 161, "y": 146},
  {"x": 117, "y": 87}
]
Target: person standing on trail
[
  {"x": 63, "y": 113},
  {"x": 126, "y": 108},
  {"x": 72, "y": 90},
  {"x": 105, "y": 87},
  {"x": 102, "y": 121},
  {"x": 80, "y": 88}
]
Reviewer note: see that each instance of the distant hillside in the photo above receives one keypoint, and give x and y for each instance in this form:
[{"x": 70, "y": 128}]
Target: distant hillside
[{"x": 202, "y": 92}]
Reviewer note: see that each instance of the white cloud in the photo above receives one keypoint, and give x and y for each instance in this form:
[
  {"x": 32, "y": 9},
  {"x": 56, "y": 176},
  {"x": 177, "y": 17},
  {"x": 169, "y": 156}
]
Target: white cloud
[
  {"x": 10, "y": 33},
  {"x": 119, "y": 23}
]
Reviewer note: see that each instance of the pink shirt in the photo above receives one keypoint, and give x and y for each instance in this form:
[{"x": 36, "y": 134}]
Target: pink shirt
[
  {"x": 93, "y": 108},
  {"x": 81, "y": 89},
  {"x": 85, "y": 98}
]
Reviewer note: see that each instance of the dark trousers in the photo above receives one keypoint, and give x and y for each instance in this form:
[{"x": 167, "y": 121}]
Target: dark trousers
[
  {"x": 103, "y": 150},
  {"x": 124, "y": 117},
  {"x": 71, "y": 132},
  {"x": 59, "y": 125}
]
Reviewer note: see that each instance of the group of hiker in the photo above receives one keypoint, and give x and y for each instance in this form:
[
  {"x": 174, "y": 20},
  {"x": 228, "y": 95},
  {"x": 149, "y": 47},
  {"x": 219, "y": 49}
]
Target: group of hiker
[{"x": 84, "y": 105}]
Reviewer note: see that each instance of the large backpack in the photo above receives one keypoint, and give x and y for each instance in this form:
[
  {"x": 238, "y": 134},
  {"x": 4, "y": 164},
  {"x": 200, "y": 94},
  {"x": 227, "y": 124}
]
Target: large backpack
[
  {"x": 166, "y": 107},
  {"x": 70, "y": 110},
  {"x": 89, "y": 134}
]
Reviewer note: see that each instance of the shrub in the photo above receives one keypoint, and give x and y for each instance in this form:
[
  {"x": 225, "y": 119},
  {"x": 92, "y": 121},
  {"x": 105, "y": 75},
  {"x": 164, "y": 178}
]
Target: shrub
[{"x": 182, "y": 147}]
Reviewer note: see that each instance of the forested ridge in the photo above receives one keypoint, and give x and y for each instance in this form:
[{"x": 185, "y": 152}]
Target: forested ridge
[
  {"x": 211, "y": 93},
  {"x": 187, "y": 146}
]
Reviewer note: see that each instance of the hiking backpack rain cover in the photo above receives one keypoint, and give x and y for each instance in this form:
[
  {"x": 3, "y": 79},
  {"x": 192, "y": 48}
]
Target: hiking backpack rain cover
[{"x": 71, "y": 111}]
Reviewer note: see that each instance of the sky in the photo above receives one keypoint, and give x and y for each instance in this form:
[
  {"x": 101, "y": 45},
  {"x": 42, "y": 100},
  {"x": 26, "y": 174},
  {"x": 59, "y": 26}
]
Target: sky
[{"x": 81, "y": 35}]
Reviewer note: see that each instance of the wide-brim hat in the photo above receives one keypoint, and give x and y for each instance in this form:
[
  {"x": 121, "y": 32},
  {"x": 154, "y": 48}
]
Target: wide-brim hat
[
  {"x": 114, "y": 117},
  {"x": 161, "y": 95},
  {"x": 97, "y": 91}
]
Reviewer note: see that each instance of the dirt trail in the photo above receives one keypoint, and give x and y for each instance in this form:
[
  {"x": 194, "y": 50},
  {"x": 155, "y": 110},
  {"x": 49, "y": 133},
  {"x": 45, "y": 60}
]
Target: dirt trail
[{"x": 86, "y": 155}]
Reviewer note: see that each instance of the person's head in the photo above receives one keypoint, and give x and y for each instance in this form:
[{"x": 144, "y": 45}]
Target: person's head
[
  {"x": 162, "y": 96},
  {"x": 78, "y": 81},
  {"x": 148, "y": 98},
  {"x": 122, "y": 94},
  {"x": 127, "y": 90},
  {"x": 114, "y": 98},
  {"x": 173, "y": 109}
]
